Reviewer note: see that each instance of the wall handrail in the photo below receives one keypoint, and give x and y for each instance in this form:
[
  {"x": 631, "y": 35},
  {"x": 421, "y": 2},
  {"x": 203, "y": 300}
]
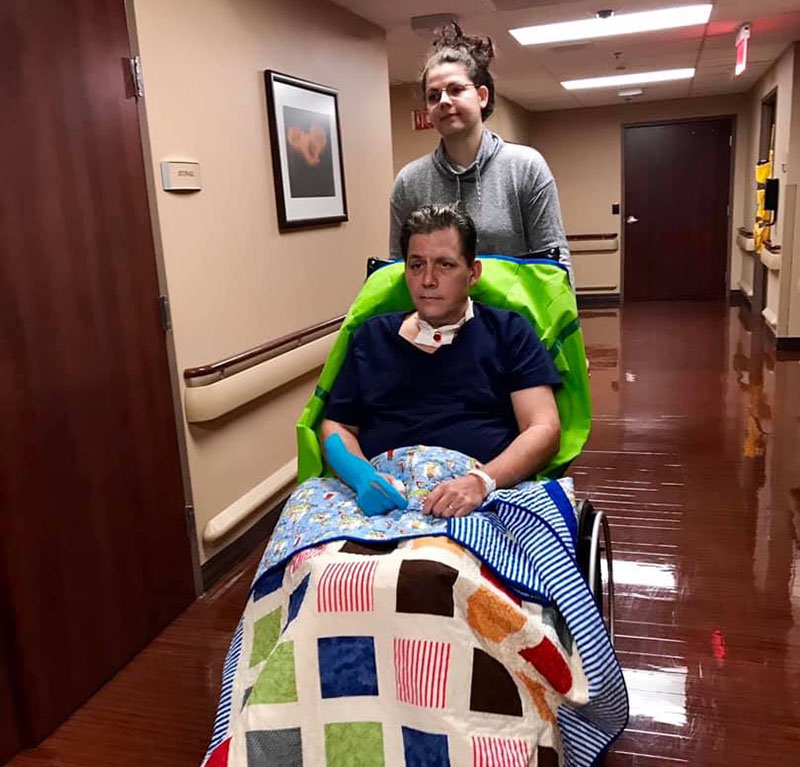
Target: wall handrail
[
  {"x": 203, "y": 375},
  {"x": 587, "y": 244},
  {"x": 243, "y": 508},
  {"x": 223, "y": 396},
  {"x": 583, "y": 237}
]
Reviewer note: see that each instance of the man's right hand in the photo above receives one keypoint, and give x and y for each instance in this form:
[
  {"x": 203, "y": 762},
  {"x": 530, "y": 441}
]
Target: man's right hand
[
  {"x": 377, "y": 496},
  {"x": 374, "y": 493}
]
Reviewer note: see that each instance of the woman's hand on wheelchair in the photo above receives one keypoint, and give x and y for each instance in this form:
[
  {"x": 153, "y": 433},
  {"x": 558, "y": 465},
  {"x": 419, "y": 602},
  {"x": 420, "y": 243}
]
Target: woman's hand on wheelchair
[{"x": 456, "y": 497}]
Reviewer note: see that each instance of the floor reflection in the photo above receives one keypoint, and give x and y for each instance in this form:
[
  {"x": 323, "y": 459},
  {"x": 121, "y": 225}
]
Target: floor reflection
[
  {"x": 659, "y": 696},
  {"x": 646, "y": 575},
  {"x": 695, "y": 457}
]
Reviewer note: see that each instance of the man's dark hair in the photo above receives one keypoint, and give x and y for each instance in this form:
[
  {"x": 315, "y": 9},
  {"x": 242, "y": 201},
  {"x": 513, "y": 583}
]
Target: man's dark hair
[{"x": 435, "y": 218}]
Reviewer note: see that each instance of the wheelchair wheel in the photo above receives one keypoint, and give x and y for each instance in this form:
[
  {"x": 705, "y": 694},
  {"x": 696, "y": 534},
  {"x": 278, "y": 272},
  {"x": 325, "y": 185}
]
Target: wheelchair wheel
[{"x": 594, "y": 542}]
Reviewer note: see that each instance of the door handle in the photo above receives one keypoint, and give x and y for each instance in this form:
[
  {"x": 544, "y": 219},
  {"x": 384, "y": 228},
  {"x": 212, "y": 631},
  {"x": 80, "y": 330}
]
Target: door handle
[{"x": 631, "y": 220}]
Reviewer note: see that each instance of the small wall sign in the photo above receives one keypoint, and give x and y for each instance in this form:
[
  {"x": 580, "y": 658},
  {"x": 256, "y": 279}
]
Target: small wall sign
[
  {"x": 180, "y": 176},
  {"x": 420, "y": 120}
]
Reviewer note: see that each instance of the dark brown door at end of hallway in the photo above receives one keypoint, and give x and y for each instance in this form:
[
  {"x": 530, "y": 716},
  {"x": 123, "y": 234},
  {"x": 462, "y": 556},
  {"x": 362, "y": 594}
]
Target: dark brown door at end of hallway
[
  {"x": 677, "y": 192},
  {"x": 95, "y": 557}
]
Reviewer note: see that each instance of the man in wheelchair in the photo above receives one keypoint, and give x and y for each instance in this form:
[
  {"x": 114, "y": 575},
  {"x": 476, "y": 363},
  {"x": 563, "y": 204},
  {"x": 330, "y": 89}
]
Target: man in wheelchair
[
  {"x": 425, "y": 608},
  {"x": 454, "y": 374}
]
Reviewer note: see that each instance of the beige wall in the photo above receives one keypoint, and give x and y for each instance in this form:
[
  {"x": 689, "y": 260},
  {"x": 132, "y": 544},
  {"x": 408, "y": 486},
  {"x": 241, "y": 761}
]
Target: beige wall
[
  {"x": 234, "y": 281},
  {"x": 783, "y": 294},
  {"x": 584, "y": 150},
  {"x": 509, "y": 120}
]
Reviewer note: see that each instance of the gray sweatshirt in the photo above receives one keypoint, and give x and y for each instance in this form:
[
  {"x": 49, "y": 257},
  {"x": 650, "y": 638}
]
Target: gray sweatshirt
[{"x": 508, "y": 190}]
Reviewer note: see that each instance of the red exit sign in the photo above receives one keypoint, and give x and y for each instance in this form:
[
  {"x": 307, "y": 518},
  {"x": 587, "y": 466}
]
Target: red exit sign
[
  {"x": 420, "y": 121},
  {"x": 742, "y": 39}
]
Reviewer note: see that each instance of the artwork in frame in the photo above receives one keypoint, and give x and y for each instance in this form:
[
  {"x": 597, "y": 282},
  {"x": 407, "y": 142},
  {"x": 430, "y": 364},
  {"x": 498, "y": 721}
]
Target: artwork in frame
[{"x": 306, "y": 152}]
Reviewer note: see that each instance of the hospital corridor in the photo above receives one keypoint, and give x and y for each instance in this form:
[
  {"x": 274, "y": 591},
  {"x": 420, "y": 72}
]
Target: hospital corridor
[{"x": 400, "y": 385}]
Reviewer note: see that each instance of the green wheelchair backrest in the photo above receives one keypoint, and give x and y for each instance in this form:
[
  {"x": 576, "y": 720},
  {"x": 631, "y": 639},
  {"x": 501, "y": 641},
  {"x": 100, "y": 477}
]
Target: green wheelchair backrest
[{"x": 538, "y": 289}]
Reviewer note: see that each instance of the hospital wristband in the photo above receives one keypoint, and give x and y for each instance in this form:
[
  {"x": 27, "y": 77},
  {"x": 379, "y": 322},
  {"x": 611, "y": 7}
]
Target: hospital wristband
[{"x": 489, "y": 484}]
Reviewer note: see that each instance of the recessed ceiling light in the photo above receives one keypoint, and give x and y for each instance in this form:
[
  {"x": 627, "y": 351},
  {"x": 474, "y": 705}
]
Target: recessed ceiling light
[
  {"x": 626, "y": 94},
  {"x": 623, "y": 24},
  {"x": 640, "y": 78}
]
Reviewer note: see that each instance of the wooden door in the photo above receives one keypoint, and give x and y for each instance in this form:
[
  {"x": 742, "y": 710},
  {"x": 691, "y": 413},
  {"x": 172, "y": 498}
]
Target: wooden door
[
  {"x": 677, "y": 191},
  {"x": 10, "y": 737},
  {"x": 93, "y": 533}
]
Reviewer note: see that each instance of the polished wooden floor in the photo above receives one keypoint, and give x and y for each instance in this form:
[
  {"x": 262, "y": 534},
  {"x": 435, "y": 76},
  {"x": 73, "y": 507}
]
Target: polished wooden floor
[{"x": 695, "y": 456}]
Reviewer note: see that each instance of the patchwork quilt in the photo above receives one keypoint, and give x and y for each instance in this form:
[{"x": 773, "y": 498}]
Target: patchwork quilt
[{"x": 414, "y": 641}]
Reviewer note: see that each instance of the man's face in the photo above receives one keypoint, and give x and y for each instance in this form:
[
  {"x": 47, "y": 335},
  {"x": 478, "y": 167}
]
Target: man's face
[{"x": 438, "y": 277}]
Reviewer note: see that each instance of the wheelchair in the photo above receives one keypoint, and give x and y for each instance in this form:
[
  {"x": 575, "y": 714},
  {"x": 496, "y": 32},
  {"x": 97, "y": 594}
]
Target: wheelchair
[{"x": 539, "y": 289}]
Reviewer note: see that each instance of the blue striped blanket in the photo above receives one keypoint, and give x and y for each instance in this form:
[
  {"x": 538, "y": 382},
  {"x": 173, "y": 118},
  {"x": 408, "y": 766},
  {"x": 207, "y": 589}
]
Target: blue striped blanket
[{"x": 503, "y": 596}]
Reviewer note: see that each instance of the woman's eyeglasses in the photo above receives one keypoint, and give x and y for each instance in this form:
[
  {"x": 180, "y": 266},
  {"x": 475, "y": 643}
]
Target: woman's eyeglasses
[{"x": 454, "y": 91}]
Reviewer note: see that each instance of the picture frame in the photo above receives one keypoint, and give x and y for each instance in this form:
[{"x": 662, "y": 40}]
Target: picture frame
[{"x": 307, "y": 162}]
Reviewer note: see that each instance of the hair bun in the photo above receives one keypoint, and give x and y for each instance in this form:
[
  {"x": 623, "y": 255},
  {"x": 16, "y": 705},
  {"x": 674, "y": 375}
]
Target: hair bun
[{"x": 451, "y": 36}]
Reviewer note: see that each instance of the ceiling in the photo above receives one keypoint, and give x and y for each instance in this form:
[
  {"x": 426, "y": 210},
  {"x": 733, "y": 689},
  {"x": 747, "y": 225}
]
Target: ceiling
[{"x": 531, "y": 75}]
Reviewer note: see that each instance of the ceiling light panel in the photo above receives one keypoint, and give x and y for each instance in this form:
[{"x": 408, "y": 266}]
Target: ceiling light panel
[
  {"x": 614, "y": 81},
  {"x": 623, "y": 24}
]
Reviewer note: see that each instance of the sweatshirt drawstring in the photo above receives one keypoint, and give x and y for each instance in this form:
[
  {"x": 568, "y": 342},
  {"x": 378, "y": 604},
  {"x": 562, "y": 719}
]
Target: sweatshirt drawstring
[
  {"x": 477, "y": 185},
  {"x": 490, "y": 145}
]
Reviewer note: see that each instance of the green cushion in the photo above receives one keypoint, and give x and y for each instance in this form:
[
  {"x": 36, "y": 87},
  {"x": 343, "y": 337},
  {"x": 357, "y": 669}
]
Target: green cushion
[{"x": 539, "y": 290}]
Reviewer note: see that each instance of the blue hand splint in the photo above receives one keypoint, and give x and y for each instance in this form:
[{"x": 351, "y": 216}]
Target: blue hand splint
[{"x": 375, "y": 495}]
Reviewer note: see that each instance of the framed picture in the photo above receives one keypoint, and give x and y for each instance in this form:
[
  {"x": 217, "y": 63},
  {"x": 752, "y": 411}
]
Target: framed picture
[{"x": 306, "y": 152}]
